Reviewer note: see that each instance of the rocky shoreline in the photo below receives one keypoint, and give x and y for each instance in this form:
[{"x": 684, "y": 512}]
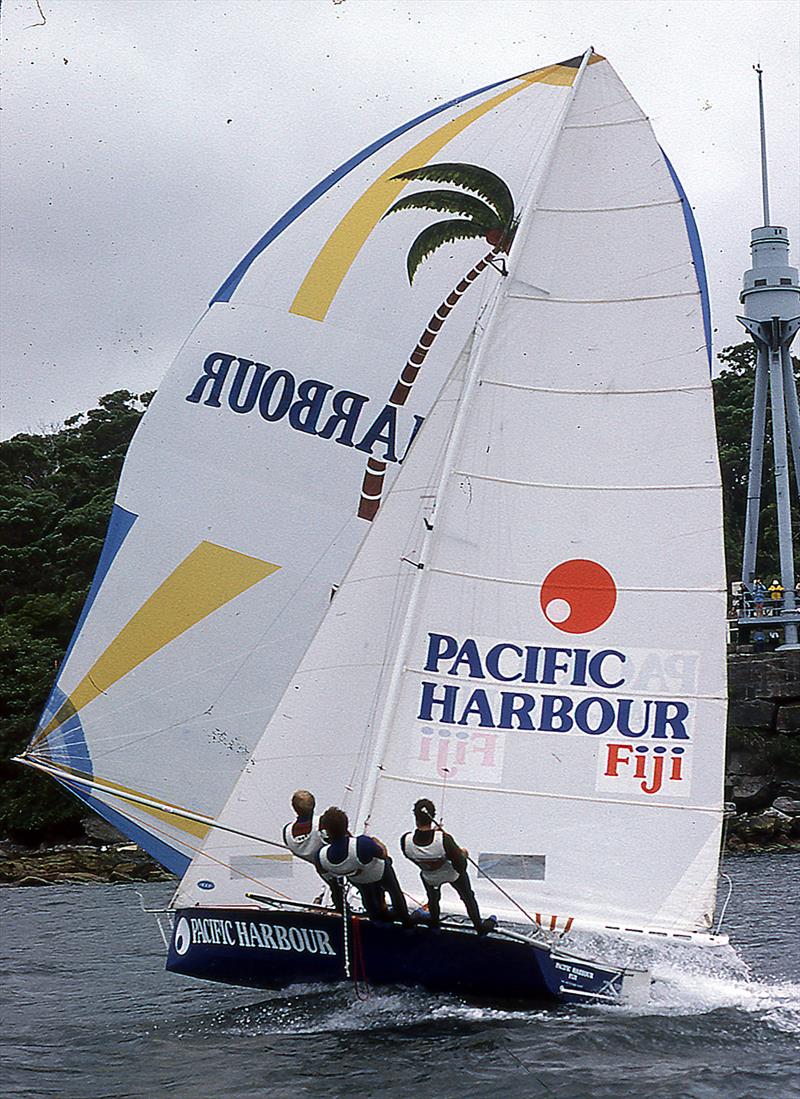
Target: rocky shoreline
[{"x": 86, "y": 864}]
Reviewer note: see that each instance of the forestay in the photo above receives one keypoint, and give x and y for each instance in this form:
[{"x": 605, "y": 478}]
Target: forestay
[
  {"x": 237, "y": 511},
  {"x": 547, "y": 662}
]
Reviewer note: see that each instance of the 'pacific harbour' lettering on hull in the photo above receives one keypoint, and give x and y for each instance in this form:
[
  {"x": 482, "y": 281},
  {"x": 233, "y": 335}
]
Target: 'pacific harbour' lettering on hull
[
  {"x": 264, "y": 936},
  {"x": 311, "y": 406}
]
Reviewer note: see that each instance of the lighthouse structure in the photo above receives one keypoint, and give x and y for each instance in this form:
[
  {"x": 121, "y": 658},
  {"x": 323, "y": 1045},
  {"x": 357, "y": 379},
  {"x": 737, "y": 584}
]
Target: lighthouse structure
[{"x": 771, "y": 299}]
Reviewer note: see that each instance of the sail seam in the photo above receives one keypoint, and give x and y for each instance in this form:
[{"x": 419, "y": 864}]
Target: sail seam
[
  {"x": 716, "y": 811},
  {"x": 602, "y": 301},
  {"x": 581, "y": 488},
  {"x": 608, "y": 209},
  {"x": 533, "y": 584},
  {"x": 604, "y": 125},
  {"x": 595, "y": 392}
]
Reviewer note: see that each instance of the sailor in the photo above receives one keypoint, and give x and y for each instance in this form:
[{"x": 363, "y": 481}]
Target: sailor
[
  {"x": 363, "y": 861},
  {"x": 304, "y": 839},
  {"x": 441, "y": 862}
]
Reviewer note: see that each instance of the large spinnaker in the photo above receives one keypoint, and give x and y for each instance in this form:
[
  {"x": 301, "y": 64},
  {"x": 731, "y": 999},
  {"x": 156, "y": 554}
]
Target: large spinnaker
[
  {"x": 559, "y": 686},
  {"x": 236, "y": 512}
]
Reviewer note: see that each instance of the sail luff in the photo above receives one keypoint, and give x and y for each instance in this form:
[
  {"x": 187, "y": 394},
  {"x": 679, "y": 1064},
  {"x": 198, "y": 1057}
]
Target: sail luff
[
  {"x": 473, "y": 370},
  {"x": 384, "y": 729}
]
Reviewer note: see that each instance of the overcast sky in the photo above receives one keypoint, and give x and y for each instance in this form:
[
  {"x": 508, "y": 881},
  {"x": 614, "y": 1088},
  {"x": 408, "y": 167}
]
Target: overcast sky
[{"x": 148, "y": 143}]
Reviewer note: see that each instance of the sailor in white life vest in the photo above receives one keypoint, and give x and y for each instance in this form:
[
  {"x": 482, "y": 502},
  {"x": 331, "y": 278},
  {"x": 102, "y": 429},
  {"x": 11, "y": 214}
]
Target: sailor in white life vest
[
  {"x": 304, "y": 839},
  {"x": 363, "y": 861},
  {"x": 441, "y": 862}
]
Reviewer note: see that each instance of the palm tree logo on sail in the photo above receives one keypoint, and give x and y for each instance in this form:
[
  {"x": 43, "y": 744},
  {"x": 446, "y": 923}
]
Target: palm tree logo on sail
[{"x": 484, "y": 207}]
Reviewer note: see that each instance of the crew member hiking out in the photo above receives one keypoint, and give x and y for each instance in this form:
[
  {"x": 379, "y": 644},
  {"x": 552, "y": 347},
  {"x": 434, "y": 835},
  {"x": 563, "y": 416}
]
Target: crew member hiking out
[
  {"x": 304, "y": 839},
  {"x": 363, "y": 861},
  {"x": 441, "y": 862}
]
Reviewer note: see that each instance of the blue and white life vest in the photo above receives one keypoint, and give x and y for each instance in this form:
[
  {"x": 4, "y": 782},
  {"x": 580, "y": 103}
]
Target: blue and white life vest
[
  {"x": 306, "y": 846},
  {"x": 433, "y": 863},
  {"x": 351, "y": 866}
]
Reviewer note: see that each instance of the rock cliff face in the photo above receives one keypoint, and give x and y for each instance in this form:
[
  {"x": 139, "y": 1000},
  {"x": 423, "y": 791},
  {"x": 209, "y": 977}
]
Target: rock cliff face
[
  {"x": 763, "y": 774},
  {"x": 64, "y": 865}
]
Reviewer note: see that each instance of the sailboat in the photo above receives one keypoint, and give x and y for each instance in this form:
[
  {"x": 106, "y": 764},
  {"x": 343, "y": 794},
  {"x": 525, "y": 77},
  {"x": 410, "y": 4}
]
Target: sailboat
[{"x": 429, "y": 506}]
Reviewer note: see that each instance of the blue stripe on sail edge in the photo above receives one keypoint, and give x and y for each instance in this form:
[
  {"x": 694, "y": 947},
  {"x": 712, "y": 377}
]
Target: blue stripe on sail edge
[
  {"x": 697, "y": 253},
  {"x": 66, "y": 746},
  {"x": 230, "y": 284},
  {"x": 169, "y": 857},
  {"x": 119, "y": 526}
]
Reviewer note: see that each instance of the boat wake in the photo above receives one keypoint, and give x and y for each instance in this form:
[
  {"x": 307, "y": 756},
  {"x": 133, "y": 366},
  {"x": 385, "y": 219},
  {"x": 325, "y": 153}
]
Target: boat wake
[
  {"x": 684, "y": 987},
  {"x": 679, "y": 992},
  {"x": 314, "y": 1009},
  {"x": 695, "y": 980}
]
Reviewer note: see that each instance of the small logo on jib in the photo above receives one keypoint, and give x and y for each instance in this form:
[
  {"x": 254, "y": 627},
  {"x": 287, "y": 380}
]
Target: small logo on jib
[
  {"x": 205, "y": 884},
  {"x": 578, "y": 596}
]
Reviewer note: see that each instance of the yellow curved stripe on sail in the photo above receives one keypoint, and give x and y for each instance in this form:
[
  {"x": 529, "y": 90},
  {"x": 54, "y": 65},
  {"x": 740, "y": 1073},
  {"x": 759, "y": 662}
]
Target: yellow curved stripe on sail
[
  {"x": 336, "y": 257},
  {"x": 182, "y": 824},
  {"x": 202, "y": 583}
]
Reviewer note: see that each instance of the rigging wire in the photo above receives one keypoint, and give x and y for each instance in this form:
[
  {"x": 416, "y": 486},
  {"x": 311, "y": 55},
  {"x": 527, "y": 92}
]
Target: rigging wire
[
  {"x": 483, "y": 874},
  {"x": 725, "y": 822},
  {"x": 729, "y": 880}
]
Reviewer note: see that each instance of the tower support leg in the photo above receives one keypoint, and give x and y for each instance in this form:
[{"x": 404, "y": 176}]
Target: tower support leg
[
  {"x": 779, "y": 446},
  {"x": 792, "y": 409},
  {"x": 755, "y": 475}
]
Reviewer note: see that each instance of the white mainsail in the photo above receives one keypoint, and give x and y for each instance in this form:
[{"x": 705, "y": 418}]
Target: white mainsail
[
  {"x": 556, "y": 682},
  {"x": 237, "y": 510}
]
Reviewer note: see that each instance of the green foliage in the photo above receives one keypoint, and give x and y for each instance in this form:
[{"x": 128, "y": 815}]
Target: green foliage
[
  {"x": 471, "y": 177},
  {"x": 434, "y": 236},
  {"x": 491, "y": 215},
  {"x": 733, "y": 399},
  {"x": 56, "y": 493}
]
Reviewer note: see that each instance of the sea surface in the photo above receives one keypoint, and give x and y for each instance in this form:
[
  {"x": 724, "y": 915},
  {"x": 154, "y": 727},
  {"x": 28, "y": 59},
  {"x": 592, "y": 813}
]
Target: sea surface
[{"x": 87, "y": 1011}]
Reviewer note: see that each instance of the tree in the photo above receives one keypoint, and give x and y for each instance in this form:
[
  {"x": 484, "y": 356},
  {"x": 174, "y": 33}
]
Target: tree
[
  {"x": 487, "y": 212},
  {"x": 733, "y": 400},
  {"x": 56, "y": 493}
]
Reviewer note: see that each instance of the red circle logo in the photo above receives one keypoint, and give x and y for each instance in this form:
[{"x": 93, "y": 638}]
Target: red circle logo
[{"x": 578, "y": 596}]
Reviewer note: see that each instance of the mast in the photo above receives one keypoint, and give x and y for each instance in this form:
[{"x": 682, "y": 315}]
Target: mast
[
  {"x": 764, "y": 184},
  {"x": 771, "y": 297}
]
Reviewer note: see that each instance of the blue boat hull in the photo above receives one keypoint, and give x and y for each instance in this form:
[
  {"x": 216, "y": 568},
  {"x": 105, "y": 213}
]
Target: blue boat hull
[{"x": 272, "y": 949}]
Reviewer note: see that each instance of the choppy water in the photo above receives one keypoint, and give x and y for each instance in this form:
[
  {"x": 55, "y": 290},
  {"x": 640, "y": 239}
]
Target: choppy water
[{"x": 88, "y": 1012}]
